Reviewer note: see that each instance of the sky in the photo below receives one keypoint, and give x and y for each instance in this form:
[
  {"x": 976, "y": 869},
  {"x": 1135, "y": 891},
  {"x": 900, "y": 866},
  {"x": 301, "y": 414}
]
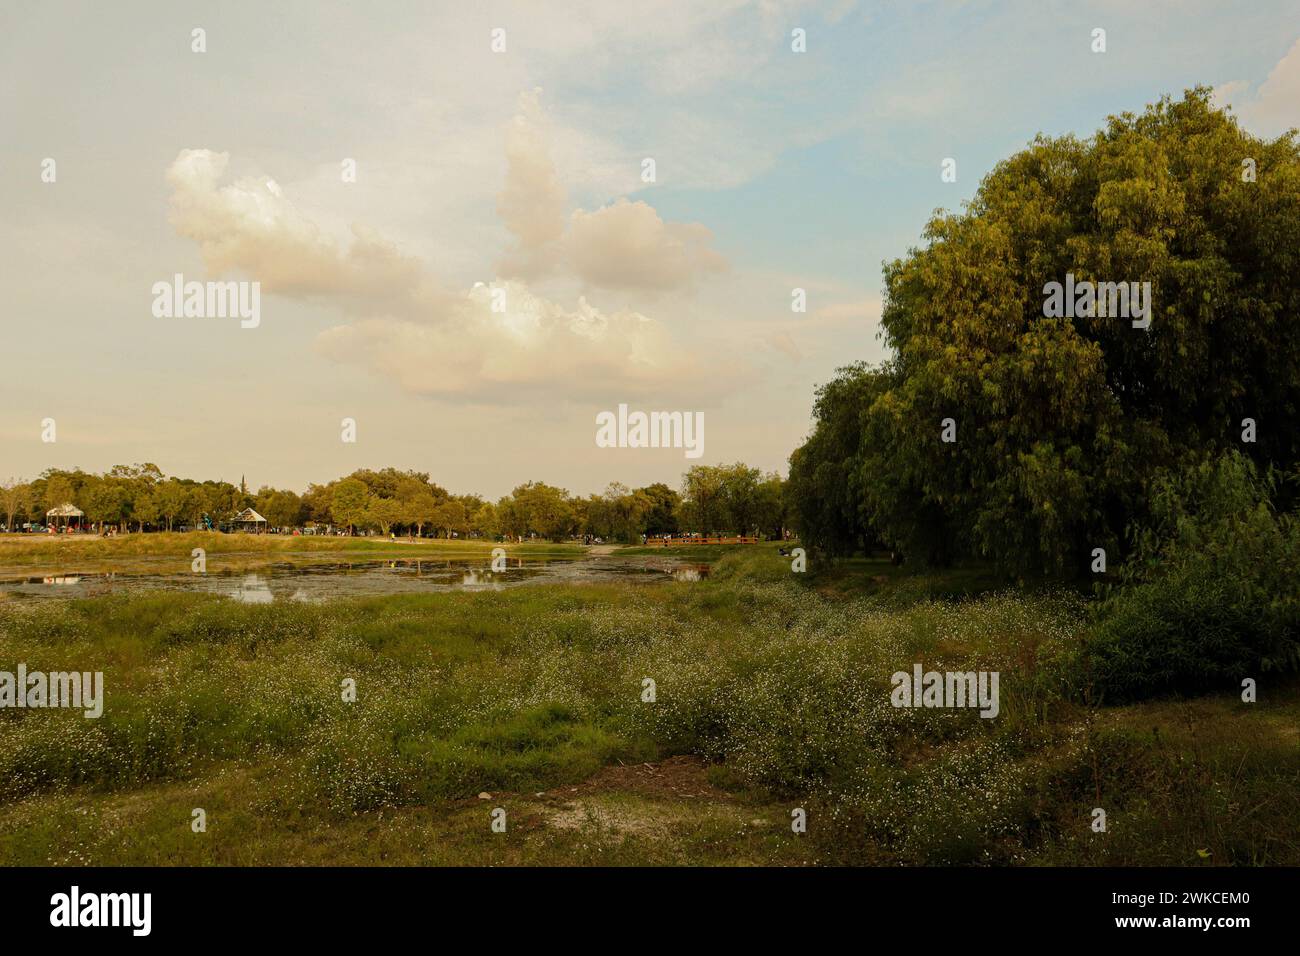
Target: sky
[{"x": 499, "y": 270}]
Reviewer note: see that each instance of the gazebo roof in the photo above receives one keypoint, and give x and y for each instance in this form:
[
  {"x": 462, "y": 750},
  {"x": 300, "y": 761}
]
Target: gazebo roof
[
  {"x": 65, "y": 510},
  {"x": 248, "y": 514}
]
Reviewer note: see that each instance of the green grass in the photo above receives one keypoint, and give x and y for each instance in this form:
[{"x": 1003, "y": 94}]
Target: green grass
[{"x": 774, "y": 685}]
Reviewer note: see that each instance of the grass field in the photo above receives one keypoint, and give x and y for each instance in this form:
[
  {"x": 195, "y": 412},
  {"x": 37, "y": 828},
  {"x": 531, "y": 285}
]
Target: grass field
[{"x": 772, "y": 693}]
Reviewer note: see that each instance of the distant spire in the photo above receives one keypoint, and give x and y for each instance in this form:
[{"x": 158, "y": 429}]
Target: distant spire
[{"x": 243, "y": 487}]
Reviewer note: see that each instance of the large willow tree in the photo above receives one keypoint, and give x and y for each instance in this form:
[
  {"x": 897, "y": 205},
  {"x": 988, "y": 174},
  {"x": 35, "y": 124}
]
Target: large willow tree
[{"x": 1062, "y": 423}]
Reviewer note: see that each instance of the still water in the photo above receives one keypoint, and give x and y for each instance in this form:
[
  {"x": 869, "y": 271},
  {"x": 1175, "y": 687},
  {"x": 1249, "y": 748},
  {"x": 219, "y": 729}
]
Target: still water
[{"x": 318, "y": 580}]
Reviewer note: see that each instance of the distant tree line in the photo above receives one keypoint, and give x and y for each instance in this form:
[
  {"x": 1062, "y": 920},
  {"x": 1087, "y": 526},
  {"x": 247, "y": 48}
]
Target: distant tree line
[{"x": 713, "y": 499}]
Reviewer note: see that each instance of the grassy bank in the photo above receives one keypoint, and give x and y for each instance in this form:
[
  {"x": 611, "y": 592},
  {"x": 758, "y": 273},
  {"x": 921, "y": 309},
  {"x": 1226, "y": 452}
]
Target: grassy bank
[
  {"x": 18, "y": 550},
  {"x": 771, "y": 693}
]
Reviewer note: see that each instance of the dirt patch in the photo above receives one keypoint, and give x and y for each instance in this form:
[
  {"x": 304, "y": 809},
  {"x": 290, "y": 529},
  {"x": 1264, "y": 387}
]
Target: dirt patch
[
  {"x": 618, "y": 822},
  {"x": 644, "y": 800},
  {"x": 677, "y": 778},
  {"x": 674, "y": 778}
]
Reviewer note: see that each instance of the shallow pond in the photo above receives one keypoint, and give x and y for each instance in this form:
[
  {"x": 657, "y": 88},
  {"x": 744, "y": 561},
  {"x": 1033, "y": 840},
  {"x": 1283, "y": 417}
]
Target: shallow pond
[{"x": 317, "y": 580}]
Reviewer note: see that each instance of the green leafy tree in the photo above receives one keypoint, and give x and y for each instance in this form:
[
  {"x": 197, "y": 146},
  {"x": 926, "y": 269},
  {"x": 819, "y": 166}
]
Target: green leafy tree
[
  {"x": 486, "y": 521},
  {"x": 58, "y": 491},
  {"x": 13, "y": 498},
  {"x": 420, "y": 509},
  {"x": 769, "y": 506},
  {"x": 171, "y": 500},
  {"x": 544, "y": 510},
  {"x": 704, "y": 498},
  {"x": 740, "y": 489},
  {"x": 662, "y": 516},
  {"x": 449, "y": 516},
  {"x": 625, "y": 511},
  {"x": 1060, "y": 423},
  {"x": 384, "y": 513},
  {"x": 145, "y": 507},
  {"x": 348, "y": 503},
  {"x": 107, "y": 503},
  {"x": 281, "y": 509},
  {"x": 318, "y": 501},
  {"x": 826, "y": 494}
]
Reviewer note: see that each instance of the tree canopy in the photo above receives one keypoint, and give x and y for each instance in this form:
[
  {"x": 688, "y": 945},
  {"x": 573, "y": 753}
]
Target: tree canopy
[{"x": 1060, "y": 424}]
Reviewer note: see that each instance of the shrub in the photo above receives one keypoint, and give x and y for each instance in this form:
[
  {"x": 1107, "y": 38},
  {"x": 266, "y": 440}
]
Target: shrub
[{"x": 1208, "y": 596}]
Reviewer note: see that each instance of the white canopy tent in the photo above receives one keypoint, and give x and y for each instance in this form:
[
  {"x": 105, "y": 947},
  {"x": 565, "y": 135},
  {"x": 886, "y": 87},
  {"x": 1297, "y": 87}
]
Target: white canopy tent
[
  {"x": 65, "y": 512},
  {"x": 249, "y": 520}
]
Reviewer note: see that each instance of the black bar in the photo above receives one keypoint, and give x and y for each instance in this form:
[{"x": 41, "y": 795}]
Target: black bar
[{"x": 335, "y": 905}]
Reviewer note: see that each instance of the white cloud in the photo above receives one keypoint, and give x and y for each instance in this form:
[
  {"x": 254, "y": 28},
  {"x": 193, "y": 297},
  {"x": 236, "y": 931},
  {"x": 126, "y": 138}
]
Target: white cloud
[
  {"x": 249, "y": 227},
  {"x": 533, "y": 201},
  {"x": 530, "y": 351},
  {"x": 624, "y": 245},
  {"x": 627, "y": 246},
  {"x": 435, "y": 342},
  {"x": 1275, "y": 106}
]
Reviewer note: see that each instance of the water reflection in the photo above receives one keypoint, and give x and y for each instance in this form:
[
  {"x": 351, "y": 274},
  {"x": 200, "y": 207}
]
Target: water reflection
[
  {"x": 694, "y": 573},
  {"x": 476, "y": 578},
  {"x": 254, "y": 589},
  {"x": 317, "y": 580}
]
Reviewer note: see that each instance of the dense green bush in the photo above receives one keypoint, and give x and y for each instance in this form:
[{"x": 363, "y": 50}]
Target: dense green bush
[{"x": 1209, "y": 595}]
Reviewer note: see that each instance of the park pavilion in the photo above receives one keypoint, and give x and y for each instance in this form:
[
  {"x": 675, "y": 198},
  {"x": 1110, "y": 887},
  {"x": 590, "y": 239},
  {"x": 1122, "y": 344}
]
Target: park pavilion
[
  {"x": 66, "y": 514},
  {"x": 249, "y": 520}
]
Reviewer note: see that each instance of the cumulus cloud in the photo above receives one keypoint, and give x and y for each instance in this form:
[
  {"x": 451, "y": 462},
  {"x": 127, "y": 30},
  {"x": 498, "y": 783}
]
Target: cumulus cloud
[
  {"x": 1275, "y": 106},
  {"x": 406, "y": 326},
  {"x": 249, "y": 227},
  {"x": 625, "y": 245},
  {"x": 533, "y": 202},
  {"x": 521, "y": 353}
]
